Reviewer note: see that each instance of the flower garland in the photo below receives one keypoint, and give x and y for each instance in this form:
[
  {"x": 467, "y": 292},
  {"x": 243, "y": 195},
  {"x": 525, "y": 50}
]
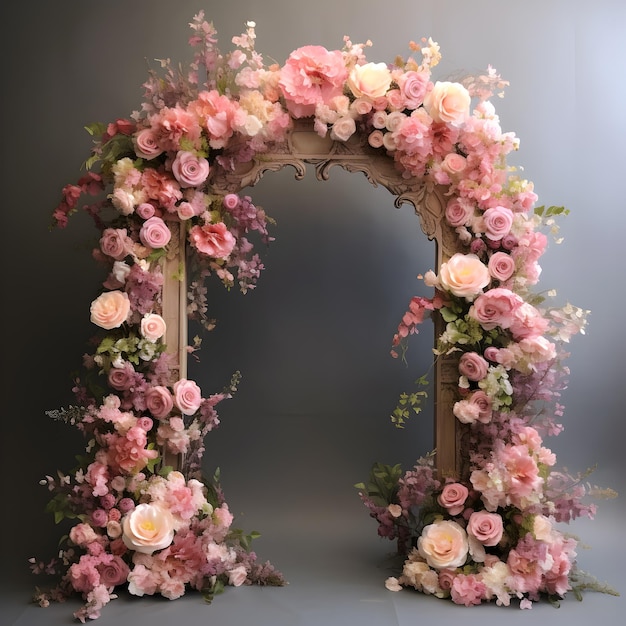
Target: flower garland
[{"x": 141, "y": 523}]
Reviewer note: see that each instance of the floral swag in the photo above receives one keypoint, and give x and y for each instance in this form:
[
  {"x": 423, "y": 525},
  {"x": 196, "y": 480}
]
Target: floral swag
[{"x": 141, "y": 513}]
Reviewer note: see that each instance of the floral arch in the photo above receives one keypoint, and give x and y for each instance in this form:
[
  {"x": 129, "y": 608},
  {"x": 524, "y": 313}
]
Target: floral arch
[{"x": 477, "y": 521}]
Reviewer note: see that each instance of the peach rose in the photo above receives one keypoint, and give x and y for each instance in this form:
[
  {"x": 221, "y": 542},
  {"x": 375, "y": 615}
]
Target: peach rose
[
  {"x": 371, "y": 80},
  {"x": 448, "y": 102},
  {"x": 486, "y": 527},
  {"x": 153, "y": 327},
  {"x": 464, "y": 275},
  {"x": 147, "y": 528},
  {"x": 110, "y": 309},
  {"x": 443, "y": 544}
]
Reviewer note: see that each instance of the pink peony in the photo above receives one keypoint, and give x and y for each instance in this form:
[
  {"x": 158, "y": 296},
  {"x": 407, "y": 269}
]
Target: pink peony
[
  {"x": 311, "y": 75},
  {"x": 468, "y": 590},
  {"x": 189, "y": 169},
  {"x": 110, "y": 309},
  {"x": 527, "y": 322},
  {"x": 214, "y": 240},
  {"x": 154, "y": 233},
  {"x": 453, "y": 497},
  {"x": 464, "y": 275}
]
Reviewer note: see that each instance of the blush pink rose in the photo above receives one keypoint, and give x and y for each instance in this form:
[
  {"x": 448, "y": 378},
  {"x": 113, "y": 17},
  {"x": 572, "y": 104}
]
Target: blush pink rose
[
  {"x": 311, "y": 75},
  {"x": 113, "y": 572},
  {"x": 448, "y": 102},
  {"x": 496, "y": 307},
  {"x": 454, "y": 164},
  {"x": 343, "y": 129},
  {"x": 189, "y": 169},
  {"x": 187, "y": 396},
  {"x": 214, "y": 240},
  {"x": 501, "y": 266},
  {"x": 473, "y": 366},
  {"x": 486, "y": 527},
  {"x": 148, "y": 528},
  {"x": 237, "y": 576},
  {"x": 154, "y": 233},
  {"x": 159, "y": 401},
  {"x": 152, "y": 327},
  {"x": 413, "y": 86},
  {"x": 371, "y": 80},
  {"x": 146, "y": 144},
  {"x": 116, "y": 243},
  {"x": 464, "y": 275},
  {"x": 110, "y": 309},
  {"x": 444, "y": 545},
  {"x": 459, "y": 212},
  {"x": 498, "y": 221},
  {"x": 453, "y": 497}
]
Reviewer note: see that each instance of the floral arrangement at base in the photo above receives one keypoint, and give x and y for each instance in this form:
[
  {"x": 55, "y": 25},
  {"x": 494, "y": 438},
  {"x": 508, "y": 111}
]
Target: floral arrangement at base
[{"x": 140, "y": 513}]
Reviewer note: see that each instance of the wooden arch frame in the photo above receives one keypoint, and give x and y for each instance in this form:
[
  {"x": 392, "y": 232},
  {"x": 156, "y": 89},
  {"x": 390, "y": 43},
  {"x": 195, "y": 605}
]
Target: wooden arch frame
[{"x": 303, "y": 146}]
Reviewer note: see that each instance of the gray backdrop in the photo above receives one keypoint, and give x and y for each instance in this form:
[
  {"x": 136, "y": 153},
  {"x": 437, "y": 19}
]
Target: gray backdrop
[{"x": 312, "y": 341}]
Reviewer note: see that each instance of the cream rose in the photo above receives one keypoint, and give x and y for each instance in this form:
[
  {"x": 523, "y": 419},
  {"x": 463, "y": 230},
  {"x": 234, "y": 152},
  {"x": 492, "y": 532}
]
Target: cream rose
[
  {"x": 443, "y": 544},
  {"x": 148, "y": 528},
  {"x": 152, "y": 327},
  {"x": 371, "y": 80},
  {"x": 464, "y": 275},
  {"x": 110, "y": 309},
  {"x": 448, "y": 102}
]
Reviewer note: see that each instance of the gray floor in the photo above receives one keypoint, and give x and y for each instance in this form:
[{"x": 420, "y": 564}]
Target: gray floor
[{"x": 336, "y": 567}]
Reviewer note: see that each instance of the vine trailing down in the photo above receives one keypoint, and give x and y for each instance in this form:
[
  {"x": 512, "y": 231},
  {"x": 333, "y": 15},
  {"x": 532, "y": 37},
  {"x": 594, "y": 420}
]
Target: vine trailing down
[{"x": 135, "y": 521}]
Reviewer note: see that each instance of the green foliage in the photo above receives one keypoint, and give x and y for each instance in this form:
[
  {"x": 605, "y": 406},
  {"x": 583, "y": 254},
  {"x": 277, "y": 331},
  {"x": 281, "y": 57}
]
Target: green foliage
[
  {"x": 60, "y": 508},
  {"x": 409, "y": 403},
  {"x": 382, "y": 486}
]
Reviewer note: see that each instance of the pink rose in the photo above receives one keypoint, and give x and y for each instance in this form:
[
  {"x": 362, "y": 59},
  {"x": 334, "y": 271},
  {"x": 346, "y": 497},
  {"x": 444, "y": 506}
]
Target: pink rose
[
  {"x": 448, "y": 102},
  {"x": 230, "y": 201},
  {"x": 376, "y": 139},
  {"x": 343, "y": 129},
  {"x": 371, "y": 80},
  {"x": 498, "y": 221},
  {"x": 311, "y": 75},
  {"x": 116, "y": 243},
  {"x": 473, "y": 366},
  {"x": 459, "y": 212},
  {"x": 480, "y": 399},
  {"x": 121, "y": 378},
  {"x": 154, "y": 233},
  {"x": 453, "y": 497},
  {"x": 159, "y": 401},
  {"x": 454, "y": 164},
  {"x": 148, "y": 528},
  {"x": 190, "y": 170},
  {"x": 486, "y": 527},
  {"x": 146, "y": 210},
  {"x": 146, "y": 144},
  {"x": 496, "y": 307},
  {"x": 187, "y": 396},
  {"x": 501, "y": 266},
  {"x": 152, "y": 327},
  {"x": 443, "y": 544},
  {"x": 237, "y": 576},
  {"x": 110, "y": 309},
  {"x": 214, "y": 240},
  {"x": 82, "y": 535},
  {"x": 414, "y": 86},
  {"x": 464, "y": 275},
  {"x": 113, "y": 572}
]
